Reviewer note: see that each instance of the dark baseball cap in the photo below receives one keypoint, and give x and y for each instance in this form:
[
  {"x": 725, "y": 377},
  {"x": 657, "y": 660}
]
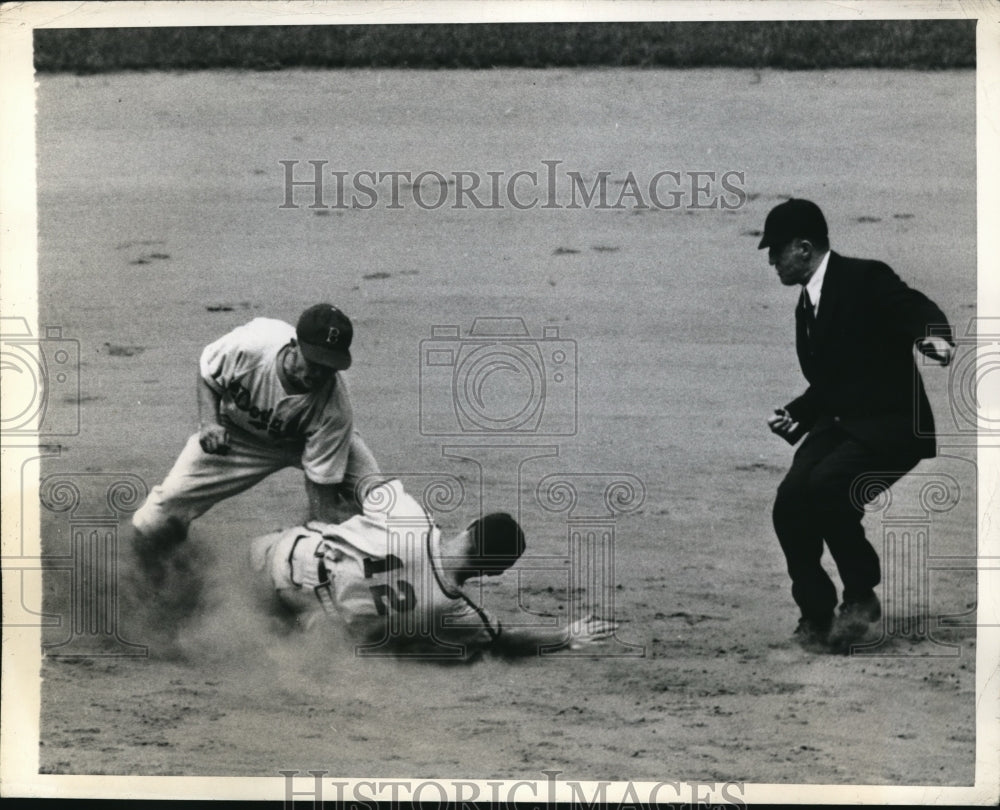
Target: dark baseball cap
[
  {"x": 324, "y": 335},
  {"x": 793, "y": 219}
]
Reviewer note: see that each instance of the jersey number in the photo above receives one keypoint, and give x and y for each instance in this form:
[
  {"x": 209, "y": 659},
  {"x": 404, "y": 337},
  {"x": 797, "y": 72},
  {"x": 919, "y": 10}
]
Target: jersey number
[{"x": 399, "y": 597}]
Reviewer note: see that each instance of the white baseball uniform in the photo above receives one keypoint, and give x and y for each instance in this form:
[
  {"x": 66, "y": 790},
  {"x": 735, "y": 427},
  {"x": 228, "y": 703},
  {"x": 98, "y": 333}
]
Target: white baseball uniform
[
  {"x": 380, "y": 574},
  {"x": 268, "y": 428}
]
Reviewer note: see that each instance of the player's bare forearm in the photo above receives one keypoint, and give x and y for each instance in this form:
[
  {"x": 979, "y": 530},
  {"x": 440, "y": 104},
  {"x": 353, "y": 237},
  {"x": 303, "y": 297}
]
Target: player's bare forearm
[
  {"x": 327, "y": 503},
  {"x": 582, "y": 633},
  {"x": 208, "y": 404},
  {"x": 524, "y": 641},
  {"x": 211, "y": 434}
]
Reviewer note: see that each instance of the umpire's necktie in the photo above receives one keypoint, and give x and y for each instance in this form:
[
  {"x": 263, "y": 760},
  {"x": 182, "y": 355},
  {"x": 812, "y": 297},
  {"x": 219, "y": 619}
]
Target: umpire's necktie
[
  {"x": 809, "y": 314},
  {"x": 809, "y": 317}
]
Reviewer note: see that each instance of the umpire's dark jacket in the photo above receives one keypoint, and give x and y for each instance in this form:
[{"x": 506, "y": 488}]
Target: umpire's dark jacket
[{"x": 859, "y": 360}]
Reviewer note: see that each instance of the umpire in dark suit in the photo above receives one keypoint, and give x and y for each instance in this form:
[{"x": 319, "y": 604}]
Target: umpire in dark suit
[{"x": 856, "y": 326}]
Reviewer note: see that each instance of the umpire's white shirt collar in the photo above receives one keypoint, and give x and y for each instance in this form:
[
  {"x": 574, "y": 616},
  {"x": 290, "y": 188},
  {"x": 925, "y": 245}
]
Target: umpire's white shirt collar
[{"x": 815, "y": 284}]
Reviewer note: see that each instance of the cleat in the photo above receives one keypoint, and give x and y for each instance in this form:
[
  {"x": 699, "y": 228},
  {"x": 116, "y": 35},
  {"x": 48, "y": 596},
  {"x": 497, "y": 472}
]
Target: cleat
[
  {"x": 854, "y": 620},
  {"x": 812, "y": 635}
]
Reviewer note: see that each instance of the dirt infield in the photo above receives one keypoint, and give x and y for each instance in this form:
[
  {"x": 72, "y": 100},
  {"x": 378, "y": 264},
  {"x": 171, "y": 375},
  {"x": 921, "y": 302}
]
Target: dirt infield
[{"x": 161, "y": 228}]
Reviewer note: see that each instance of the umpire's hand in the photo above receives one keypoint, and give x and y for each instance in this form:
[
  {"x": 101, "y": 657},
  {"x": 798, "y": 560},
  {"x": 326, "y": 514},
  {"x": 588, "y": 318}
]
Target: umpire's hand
[
  {"x": 936, "y": 348},
  {"x": 781, "y": 422},
  {"x": 214, "y": 439}
]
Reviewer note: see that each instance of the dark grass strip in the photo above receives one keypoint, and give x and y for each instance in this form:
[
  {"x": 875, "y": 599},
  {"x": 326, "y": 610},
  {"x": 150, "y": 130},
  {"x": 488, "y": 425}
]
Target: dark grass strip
[{"x": 798, "y": 45}]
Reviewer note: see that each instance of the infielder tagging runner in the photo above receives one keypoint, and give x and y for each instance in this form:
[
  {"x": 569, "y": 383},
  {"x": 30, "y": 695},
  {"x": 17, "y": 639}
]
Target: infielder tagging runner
[
  {"x": 269, "y": 397},
  {"x": 389, "y": 582}
]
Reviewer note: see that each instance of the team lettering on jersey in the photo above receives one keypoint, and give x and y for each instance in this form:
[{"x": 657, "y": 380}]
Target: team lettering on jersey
[{"x": 264, "y": 419}]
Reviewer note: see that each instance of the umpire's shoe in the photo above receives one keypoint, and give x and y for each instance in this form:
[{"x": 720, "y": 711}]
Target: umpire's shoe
[
  {"x": 812, "y": 635},
  {"x": 854, "y": 619}
]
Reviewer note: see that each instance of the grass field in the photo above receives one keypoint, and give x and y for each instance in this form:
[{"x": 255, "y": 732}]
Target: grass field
[{"x": 160, "y": 229}]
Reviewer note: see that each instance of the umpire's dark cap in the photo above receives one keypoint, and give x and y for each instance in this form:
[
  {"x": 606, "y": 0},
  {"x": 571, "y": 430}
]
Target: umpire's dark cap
[
  {"x": 324, "y": 336},
  {"x": 793, "y": 219}
]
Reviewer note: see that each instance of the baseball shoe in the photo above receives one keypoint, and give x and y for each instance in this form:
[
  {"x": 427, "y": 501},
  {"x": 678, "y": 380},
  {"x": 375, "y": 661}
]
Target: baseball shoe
[
  {"x": 854, "y": 620},
  {"x": 812, "y": 634},
  {"x": 153, "y": 552}
]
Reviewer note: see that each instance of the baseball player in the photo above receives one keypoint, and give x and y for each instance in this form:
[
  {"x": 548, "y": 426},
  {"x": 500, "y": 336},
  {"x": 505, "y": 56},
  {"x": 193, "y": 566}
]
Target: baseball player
[
  {"x": 269, "y": 396},
  {"x": 389, "y": 581}
]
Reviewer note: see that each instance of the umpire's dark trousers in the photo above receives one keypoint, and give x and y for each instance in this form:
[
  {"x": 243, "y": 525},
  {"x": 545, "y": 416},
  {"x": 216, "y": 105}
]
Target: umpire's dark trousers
[{"x": 822, "y": 498}]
